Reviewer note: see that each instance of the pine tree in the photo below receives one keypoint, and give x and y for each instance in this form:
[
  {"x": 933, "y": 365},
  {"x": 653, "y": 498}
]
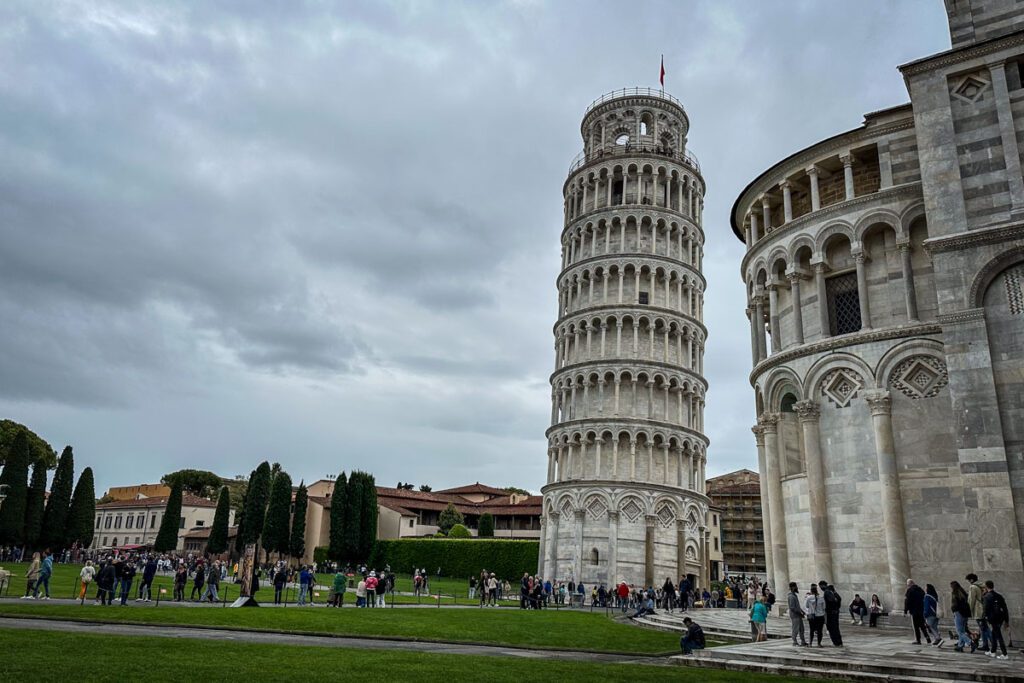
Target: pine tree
[
  {"x": 277, "y": 525},
  {"x": 55, "y": 518},
  {"x": 353, "y": 517},
  {"x": 34, "y": 505},
  {"x": 297, "y": 542},
  {"x": 256, "y": 497},
  {"x": 368, "y": 527},
  {"x": 167, "y": 537},
  {"x": 448, "y": 518},
  {"x": 485, "y": 527},
  {"x": 339, "y": 520},
  {"x": 15, "y": 476},
  {"x": 82, "y": 511},
  {"x": 218, "y": 541}
]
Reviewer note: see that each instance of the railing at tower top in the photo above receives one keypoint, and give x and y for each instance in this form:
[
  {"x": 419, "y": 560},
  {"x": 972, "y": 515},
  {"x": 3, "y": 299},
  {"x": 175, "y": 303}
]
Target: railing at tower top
[
  {"x": 685, "y": 157},
  {"x": 626, "y": 92}
]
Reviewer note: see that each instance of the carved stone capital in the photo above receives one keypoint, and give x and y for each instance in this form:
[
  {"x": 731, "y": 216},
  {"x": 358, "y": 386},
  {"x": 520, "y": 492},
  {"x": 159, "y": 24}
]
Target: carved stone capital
[
  {"x": 579, "y": 514},
  {"x": 650, "y": 520},
  {"x": 794, "y": 277},
  {"x": 807, "y": 411},
  {"x": 847, "y": 159},
  {"x": 879, "y": 402},
  {"x": 769, "y": 422},
  {"x": 613, "y": 515},
  {"x": 758, "y": 431}
]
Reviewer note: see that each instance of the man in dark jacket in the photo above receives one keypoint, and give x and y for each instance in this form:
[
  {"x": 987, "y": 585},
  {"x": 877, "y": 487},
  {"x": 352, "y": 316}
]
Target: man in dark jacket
[
  {"x": 913, "y": 603},
  {"x": 127, "y": 576},
  {"x": 833, "y": 601},
  {"x": 105, "y": 583},
  {"x": 148, "y": 574},
  {"x": 996, "y": 614},
  {"x": 694, "y": 637}
]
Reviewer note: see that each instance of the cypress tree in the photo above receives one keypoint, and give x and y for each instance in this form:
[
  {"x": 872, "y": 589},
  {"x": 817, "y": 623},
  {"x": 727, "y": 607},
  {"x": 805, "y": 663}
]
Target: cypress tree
[
  {"x": 15, "y": 476},
  {"x": 353, "y": 517},
  {"x": 485, "y": 527},
  {"x": 34, "y": 505},
  {"x": 297, "y": 542},
  {"x": 167, "y": 537},
  {"x": 218, "y": 541},
  {"x": 82, "y": 511},
  {"x": 368, "y": 528},
  {"x": 277, "y": 526},
  {"x": 339, "y": 520},
  {"x": 448, "y": 518},
  {"x": 55, "y": 518},
  {"x": 256, "y": 496}
]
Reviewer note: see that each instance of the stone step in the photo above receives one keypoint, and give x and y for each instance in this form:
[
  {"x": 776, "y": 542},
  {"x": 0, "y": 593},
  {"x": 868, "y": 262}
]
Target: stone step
[
  {"x": 827, "y": 661},
  {"x": 709, "y": 630},
  {"x": 813, "y": 672}
]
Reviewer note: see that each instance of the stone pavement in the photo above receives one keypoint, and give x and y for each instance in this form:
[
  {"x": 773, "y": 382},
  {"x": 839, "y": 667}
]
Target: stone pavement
[
  {"x": 272, "y": 638},
  {"x": 868, "y": 654}
]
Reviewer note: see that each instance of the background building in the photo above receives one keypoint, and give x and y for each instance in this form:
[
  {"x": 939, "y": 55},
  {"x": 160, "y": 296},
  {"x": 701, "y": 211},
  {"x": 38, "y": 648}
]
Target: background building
[
  {"x": 886, "y": 266},
  {"x": 624, "y": 496},
  {"x": 738, "y": 496},
  {"x": 136, "y": 490},
  {"x": 136, "y": 522}
]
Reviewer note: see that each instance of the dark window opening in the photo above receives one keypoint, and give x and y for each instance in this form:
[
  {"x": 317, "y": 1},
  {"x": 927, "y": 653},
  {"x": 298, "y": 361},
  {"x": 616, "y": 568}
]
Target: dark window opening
[
  {"x": 644, "y": 298},
  {"x": 843, "y": 304}
]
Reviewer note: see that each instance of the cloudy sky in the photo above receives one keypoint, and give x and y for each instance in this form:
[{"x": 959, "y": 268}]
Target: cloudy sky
[{"x": 326, "y": 234}]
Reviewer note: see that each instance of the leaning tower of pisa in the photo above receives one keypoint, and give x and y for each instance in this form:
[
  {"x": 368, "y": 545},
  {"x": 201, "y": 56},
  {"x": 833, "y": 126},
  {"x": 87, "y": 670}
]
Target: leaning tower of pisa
[{"x": 624, "y": 499}]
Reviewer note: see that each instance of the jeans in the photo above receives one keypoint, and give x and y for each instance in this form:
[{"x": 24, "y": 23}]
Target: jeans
[
  {"x": 303, "y": 589},
  {"x": 960, "y": 623},
  {"x": 997, "y": 638},
  {"x": 179, "y": 592},
  {"x": 858, "y": 613},
  {"x": 472, "y": 592},
  {"x": 689, "y": 645},
  {"x": 277, "y": 594},
  {"x": 211, "y": 592},
  {"x": 126, "y": 588},
  {"x": 380, "y": 600},
  {"x": 986, "y": 635},
  {"x": 146, "y": 589},
  {"x": 933, "y": 626},
  {"x": 43, "y": 581}
]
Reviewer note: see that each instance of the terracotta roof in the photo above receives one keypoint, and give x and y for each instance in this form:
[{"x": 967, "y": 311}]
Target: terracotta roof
[
  {"x": 204, "y": 532},
  {"x": 397, "y": 508},
  {"x": 476, "y": 488},
  {"x": 322, "y": 501},
  {"x": 187, "y": 500}
]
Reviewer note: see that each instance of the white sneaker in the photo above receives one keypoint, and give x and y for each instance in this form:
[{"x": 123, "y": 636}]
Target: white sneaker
[
  {"x": 990, "y": 654},
  {"x": 1001, "y": 657}
]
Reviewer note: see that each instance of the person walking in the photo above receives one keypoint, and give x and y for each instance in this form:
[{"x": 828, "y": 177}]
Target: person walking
[
  {"x": 31, "y": 576},
  {"x": 280, "y": 579},
  {"x": 45, "y": 572},
  {"x": 197, "y": 582},
  {"x": 694, "y": 637},
  {"x": 759, "y": 615},
  {"x": 127, "y": 577},
  {"x": 996, "y": 614},
  {"x": 875, "y": 610},
  {"x": 180, "y": 579},
  {"x": 87, "y": 575},
  {"x": 975, "y": 598},
  {"x": 833, "y": 603},
  {"x": 796, "y": 616},
  {"x": 148, "y": 574},
  {"x": 212, "y": 583},
  {"x": 304, "y": 585},
  {"x": 913, "y": 603},
  {"x": 961, "y": 607},
  {"x": 814, "y": 605},
  {"x": 931, "y": 613}
]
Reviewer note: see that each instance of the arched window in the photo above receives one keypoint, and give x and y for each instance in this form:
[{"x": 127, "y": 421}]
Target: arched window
[
  {"x": 622, "y": 140},
  {"x": 594, "y": 557},
  {"x": 786, "y": 406}
]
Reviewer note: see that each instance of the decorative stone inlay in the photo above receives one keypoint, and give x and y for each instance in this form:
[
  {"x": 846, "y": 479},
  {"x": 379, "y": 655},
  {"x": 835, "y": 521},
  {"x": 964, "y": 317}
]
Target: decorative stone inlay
[
  {"x": 1014, "y": 294},
  {"x": 666, "y": 516},
  {"x": 567, "y": 508},
  {"x": 632, "y": 510},
  {"x": 971, "y": 87},
  {"x": 597, "y": 508},
  {"x": 841, "y": 386},
  {"x": 920, "y": 377}
]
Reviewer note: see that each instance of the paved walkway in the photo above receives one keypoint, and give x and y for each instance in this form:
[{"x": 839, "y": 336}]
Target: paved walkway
[{"x": 135, "y": 631}]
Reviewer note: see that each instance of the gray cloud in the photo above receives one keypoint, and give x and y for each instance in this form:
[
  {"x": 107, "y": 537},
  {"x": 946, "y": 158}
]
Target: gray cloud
[{"x": 327, "y": 234}]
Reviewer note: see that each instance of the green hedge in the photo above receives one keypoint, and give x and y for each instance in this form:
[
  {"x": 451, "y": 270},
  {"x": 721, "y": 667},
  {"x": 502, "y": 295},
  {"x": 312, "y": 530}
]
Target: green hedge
[{"x": 458, "y": 557}]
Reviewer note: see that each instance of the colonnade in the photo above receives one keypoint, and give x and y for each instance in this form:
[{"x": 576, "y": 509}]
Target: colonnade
[
  {"x": 770, "y": 449},
  {"x": 616, "y": 285},
  {"x": 629, "y": 236},
  {"x": 634, "y": 396},
  {"x": 664, "y": 342},
  {"x": 617, "y": 186},
  {"x": 581, "y": 459}
]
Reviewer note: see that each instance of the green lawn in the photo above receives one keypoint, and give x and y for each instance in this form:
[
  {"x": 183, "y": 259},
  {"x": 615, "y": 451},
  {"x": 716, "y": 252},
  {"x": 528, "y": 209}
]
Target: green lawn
[
  {"x": 119, "y": 658},
  {"x": 540, "y": 629}
]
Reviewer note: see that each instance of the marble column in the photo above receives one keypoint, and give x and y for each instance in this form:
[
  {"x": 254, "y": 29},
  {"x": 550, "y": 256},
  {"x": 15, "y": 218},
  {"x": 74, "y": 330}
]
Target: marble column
[
  {"x": 766, "y": 213},
  {"x": 809, "y": 414},
  {"x": 773, "y": 317},
  {"x": 847, "y": 160},
  {"x": 755, "y": 233},
  {"x": 542, "y": 550},
  {"x": 862, "y": 290},
  {"x": 762, "y": 350},
  {"x": 787, "y": 200},
  {"x": 681, "y": 547},
  {"x": 613, "y": 550},
  {"x": 812, "y": 175},
  {"x": 892, "y": 500},
  {"x": 780, "y": 550},
  {"x": 762, "y": 467},
  {"x": 798, "y": 315},
  {"x": 551, "y": 565},
  {"x": 649, "y": 522},
  {"x": 753, "y": 337},
  {"x": 909, "y": 291},
  {"x": 703, "y": 550},
  {"x": 577, "y": 559},
  {"x": 819, "y": 285}
]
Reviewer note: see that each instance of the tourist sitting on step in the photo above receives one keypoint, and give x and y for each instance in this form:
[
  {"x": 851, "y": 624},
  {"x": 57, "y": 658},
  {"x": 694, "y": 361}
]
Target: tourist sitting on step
[
  {"x": 645, "y": 607},
  {"x": 693, "y": 639}
]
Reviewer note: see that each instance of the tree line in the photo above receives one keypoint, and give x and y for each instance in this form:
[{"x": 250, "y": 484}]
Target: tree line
[{"x": 27, "y": 517}]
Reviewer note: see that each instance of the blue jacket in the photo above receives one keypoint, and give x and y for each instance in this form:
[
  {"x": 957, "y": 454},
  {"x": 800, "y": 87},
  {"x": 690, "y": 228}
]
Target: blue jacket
[
  {"x": 47, "y": 567},
  {"x": 759, "y": 613},
  {"x": 930, "y": 605}
]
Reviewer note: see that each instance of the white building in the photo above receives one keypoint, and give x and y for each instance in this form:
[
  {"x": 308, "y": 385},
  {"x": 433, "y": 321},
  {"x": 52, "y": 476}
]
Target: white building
[{"x": 128, "y": 523}]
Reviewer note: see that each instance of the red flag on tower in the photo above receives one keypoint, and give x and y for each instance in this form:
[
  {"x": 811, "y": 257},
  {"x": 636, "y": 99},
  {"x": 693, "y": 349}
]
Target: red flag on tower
[{"x": 663, "y": 71}]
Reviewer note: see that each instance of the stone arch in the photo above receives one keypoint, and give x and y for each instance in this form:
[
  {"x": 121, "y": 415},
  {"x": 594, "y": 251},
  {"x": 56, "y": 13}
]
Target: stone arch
[
  {"x": 632, "y": 508},
  {"x": 989, "y": 272},
  {"x": 903, "y": 351},
  {"x": 872, "y": 219},
  {"x": 908, "y": 216},
  {"x": 832, "y": 231},
  {"x": 777, "y": 382},
  {"x": 596, "y": 505},
  {"x": 796, "y": 246},
  {"x": 839, "y": 378}
]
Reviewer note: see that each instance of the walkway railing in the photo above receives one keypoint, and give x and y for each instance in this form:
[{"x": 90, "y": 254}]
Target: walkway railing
[
  {"x": 609, "y": 151},
  {"x": 646, "y": 92}
]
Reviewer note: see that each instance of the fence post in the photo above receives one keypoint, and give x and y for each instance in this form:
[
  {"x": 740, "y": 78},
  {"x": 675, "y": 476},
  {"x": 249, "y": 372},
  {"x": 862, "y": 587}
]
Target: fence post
[{"x": 224, "y": 601}]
